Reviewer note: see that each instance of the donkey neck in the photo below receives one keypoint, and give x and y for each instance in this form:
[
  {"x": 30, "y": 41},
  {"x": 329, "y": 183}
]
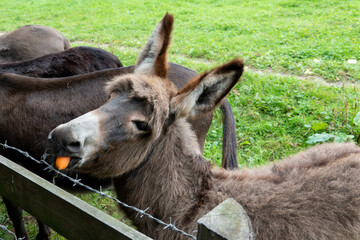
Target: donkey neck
[{"x": 173, "y": 175}]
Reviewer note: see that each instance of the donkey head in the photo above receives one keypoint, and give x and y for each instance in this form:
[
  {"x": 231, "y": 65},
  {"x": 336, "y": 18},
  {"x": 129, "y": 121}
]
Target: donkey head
[{"x": 116, "y": 137}]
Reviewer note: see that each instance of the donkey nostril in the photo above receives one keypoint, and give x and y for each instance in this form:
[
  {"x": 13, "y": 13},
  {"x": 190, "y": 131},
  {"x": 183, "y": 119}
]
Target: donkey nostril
[{"x": 73, "y": 147}]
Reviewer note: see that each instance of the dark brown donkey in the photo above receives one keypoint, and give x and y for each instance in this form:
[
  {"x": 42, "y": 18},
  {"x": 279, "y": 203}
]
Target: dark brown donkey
[
  {"x": 31, "y": 107},
  {"x": 77, "y": 60},
  {"x": 153, "y": 154}
]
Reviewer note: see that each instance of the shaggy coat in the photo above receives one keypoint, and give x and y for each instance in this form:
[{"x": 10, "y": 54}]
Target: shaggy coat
[
  {"x": 156, "y": 162},
  {"x": 31, "y": 41},
  {"x": 312, "y": 195},
  {"x": 77, "y": 60}
]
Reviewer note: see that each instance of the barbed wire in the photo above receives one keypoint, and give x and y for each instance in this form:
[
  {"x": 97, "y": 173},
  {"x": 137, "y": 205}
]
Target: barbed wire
[
  {"x": 9, "y": 232},
  {"x": 78, "y": 182}
]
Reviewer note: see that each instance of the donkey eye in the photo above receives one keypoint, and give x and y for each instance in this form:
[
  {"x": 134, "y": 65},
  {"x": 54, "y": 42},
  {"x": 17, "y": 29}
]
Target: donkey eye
[{"x": 141, "y": 125}]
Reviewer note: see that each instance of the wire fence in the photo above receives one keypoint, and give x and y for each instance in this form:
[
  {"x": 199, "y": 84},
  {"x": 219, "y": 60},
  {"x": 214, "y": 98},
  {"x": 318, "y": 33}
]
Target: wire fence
[
  {"x": 9, "y": 232},
  {"x": 77, "y": 181}
]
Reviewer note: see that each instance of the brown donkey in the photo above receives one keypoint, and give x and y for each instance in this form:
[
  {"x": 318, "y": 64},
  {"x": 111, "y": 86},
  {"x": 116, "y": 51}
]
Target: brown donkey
[
  {"x": 31, "y": 41},
  {"x": 153, "y": 154}
]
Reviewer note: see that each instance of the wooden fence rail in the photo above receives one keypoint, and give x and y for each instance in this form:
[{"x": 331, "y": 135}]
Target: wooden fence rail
[
  {"x": 62, "y": 211},
  {"x": 75, "y": 219}
]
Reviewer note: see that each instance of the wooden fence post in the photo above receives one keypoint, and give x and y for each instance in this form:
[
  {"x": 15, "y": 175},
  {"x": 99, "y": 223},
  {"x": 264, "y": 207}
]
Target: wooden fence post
[{"x": 226, "y": 221}]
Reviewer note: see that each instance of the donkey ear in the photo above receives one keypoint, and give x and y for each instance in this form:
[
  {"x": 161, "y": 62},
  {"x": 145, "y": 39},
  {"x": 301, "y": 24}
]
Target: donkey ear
[
  {"x": 153, "y": 56},
  {"x": 204, "y": 93}
]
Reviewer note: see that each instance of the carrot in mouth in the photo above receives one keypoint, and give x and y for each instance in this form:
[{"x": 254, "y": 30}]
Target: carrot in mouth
[{"x": 62, "y": 162}]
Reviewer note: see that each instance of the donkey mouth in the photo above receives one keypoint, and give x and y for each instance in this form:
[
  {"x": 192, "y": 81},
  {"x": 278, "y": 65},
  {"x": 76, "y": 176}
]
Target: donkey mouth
[
  {"x": 77, "y": 164},
  {"x": 65, "y": 163},
  {"x": 74, "y": 162}
]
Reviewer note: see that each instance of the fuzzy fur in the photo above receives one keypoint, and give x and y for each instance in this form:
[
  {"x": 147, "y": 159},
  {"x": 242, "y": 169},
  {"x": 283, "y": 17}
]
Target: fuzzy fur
[{"x": 312, "y": 195}]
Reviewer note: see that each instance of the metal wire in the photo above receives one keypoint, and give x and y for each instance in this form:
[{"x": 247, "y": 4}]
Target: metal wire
[{"x": 9, "y": 232}]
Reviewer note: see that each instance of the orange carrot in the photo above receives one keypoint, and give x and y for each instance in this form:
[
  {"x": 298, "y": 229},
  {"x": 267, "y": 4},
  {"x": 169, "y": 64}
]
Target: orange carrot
[{"x": 62, "y": 162}]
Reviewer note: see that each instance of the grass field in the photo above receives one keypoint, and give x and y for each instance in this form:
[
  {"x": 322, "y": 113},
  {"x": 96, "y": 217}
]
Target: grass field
[{"x": 298, "y": 83}]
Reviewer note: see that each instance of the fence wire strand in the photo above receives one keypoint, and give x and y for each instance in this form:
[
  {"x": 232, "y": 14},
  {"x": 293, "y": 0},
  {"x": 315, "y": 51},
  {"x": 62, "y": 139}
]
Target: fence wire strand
[
  {"x": 9, "y": 232},
  {"x": 77, "y": 181}
]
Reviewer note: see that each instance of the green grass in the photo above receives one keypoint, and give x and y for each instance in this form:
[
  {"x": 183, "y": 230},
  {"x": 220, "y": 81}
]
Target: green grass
[
  {"x": 275, "y": 114},
  {"x": 282, "y": 35}
]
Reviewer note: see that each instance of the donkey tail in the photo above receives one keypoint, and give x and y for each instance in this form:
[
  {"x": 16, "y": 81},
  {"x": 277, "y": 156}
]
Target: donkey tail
[{"x": 229, "y": 155}]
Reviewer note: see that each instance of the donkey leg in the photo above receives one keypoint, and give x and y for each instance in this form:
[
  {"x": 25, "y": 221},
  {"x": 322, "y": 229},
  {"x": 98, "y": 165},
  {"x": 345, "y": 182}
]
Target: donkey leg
[
  {"x": 44, "y": 231},
  {"x": 16, "y": 216}
]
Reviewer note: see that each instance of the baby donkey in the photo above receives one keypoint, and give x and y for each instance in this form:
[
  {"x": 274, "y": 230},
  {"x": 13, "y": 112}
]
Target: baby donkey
[{"x": 141, "y": 138}]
